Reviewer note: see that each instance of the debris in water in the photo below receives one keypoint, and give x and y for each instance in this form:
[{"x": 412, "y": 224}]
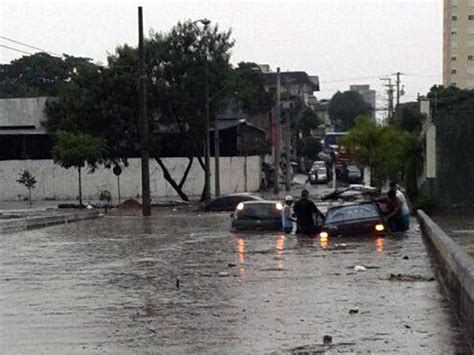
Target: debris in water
[
  {"x": 177, "y": 283},
  {"x": 327, "y": 339},
  {"x": 360, "y": 268},
  {"x": 354, "y": 311},
  {"x": 404, "y": 277},
  {"x": 406, "y": 257},
  {"x": 223, "y": 274},
  {"x": 231, "y": 264}
]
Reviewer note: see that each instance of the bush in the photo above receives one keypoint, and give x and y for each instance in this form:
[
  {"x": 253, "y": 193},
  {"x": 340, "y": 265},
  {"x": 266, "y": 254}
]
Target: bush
[{"x": 423, "y": 202}]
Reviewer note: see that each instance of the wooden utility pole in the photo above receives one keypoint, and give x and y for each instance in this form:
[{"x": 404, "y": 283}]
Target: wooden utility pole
[
  {"x": 145, "y": 154},
  {"x": 276, "y": 161},
  {"x": 217, "y": 153},
  {"x": 287, "y": 144}
]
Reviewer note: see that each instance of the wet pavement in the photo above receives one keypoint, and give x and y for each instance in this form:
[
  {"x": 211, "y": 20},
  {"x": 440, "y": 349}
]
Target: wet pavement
[{"x": 181, "y": 283}]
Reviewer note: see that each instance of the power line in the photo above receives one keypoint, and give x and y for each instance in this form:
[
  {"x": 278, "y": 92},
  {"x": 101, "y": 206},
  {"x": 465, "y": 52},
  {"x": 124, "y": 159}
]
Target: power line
[
  {"x": 351, "y": 79},
  {"x": 27, "y": 45},
  {"x": 14, "y": 49}
]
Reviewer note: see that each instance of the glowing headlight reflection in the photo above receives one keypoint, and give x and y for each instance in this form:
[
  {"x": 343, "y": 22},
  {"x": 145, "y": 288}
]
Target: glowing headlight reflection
[
  {"x": 240, "y": 206},
  {"x": 323, "y": 235},
  {"x": 279, "y": 206}
]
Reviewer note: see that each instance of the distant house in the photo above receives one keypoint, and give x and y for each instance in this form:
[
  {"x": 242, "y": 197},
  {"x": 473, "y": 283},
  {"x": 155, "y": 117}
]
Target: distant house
[{"x": 21, "y": 134}]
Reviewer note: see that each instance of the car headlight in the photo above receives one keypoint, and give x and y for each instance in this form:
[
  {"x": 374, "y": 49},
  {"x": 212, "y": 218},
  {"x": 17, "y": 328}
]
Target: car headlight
[
  {"x": 323, "y": 235},
  {"x": 279, "y": 206},
  {"x": 379, "y": 227},
  {"x": 240, "y": 206}
]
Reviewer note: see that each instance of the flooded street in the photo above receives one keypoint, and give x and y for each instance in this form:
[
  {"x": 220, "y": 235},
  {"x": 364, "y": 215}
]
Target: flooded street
[{"x": 181, "y": 282}]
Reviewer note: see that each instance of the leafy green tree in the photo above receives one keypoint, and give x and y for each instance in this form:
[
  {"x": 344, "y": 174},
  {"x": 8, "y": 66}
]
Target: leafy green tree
[
  {"x": 104, "y": 101},
  {"x": 248, "y": 87},
  {"x": 39, "y": 74},
  {"x": 29, "y": 181},
  {"x": 385, "y": 149},
  {"x": 408, "y": 117},
  {"x": 345, "y": 107},
  {"x": 76, "y": 150}
]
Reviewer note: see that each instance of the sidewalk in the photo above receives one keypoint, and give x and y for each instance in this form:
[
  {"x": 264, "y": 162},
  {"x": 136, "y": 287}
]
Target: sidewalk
[{"x": 460, "y": 227}]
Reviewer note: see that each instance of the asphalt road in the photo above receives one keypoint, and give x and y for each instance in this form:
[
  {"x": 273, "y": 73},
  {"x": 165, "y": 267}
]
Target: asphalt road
[{"x": 181, "y": 283}]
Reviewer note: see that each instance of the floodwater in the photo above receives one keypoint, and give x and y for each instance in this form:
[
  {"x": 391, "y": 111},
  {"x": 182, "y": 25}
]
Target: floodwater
[{"x": 181, "y": 283}]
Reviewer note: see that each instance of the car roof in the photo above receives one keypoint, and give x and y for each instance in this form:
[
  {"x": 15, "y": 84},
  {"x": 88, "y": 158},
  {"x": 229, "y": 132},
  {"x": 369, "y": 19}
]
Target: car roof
[
  {"x": 264, "y": 202},
  {"x": 352, "y": 205}
]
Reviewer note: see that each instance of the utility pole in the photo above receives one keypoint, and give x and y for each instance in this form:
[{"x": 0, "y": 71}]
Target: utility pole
[
  {"x": 207, "y": 143},
  {"x": 217, "y": 152},
  {"x": 287, "y": 145},
  {"x": 400, "y": 91},
  {"x": 276, "y": 161},
  {"x": 390, "y": 97},
  {"x": 145, "y": 154}
]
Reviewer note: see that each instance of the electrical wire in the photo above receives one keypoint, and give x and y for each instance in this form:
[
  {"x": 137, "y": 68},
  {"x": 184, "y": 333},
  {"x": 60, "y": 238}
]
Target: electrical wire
[
  {"x": 14, "y": 49},
  {"x": 27, "y": 45}
]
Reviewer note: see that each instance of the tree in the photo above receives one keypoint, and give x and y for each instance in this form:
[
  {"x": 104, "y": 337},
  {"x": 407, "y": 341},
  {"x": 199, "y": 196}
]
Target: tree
[
  {"x": 103, "y": 101},
  {"x": 408, "y": 117},
  {"x": 344, "y": 107},
  {"x": 76, "y": 150},
  {"x": 29, "y": 181},
  {"x": 39, "y": 74},
  {"x": 385, "y": 149}
]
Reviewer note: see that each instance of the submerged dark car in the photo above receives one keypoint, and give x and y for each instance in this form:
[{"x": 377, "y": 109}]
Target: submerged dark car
[
  {"x": 354, "y": 220},
  {"x": 230, "y": 202},
  {"x": 257, "y": 215}
]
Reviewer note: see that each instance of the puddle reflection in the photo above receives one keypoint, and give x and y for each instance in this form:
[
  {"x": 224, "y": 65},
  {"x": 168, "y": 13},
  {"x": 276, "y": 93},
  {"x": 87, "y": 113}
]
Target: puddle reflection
[
  {"x": 280, "y": 242},
  {"x": 379, "y": 244},
  {"x": 240, "y": 248}
]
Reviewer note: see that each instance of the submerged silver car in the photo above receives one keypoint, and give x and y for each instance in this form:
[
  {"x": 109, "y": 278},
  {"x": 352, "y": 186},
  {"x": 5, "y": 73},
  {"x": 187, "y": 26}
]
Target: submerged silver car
[{"x": 257, "y": 215}]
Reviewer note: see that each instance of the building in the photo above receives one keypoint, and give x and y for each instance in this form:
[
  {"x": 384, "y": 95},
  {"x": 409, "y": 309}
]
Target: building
[
  {"x": 367, "y": 94},
  {"x": 458, "y": 43}
]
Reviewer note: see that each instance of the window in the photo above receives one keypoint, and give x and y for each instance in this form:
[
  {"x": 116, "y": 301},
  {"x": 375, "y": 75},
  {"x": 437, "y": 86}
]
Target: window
[
  {"x": 453, "y": 84},
  {"x": 453, "y": 71},
  {"x": 453, "y": 59},
  {"x": 470, "y": 17},
  {"x": 454, "y": 18},
  {"x": 454, "y": 33},
  {"x": 470, "y": 57}
]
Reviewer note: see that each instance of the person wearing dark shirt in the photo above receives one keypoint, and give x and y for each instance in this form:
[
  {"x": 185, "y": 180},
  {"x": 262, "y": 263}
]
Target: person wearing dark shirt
[{"x": 305, "y": 210}]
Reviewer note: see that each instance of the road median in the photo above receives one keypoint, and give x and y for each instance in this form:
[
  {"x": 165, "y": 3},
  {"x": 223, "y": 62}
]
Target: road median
[
  {"x": 456, "y": 270},
  {"x": 34, "y": 222}
]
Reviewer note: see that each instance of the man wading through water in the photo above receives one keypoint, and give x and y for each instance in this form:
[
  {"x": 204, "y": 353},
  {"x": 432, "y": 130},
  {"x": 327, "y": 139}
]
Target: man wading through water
[{"x": 305, "y": 210}]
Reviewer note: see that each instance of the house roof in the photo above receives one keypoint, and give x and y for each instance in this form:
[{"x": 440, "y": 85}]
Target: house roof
[
  {"x": 291, "y": 77},
  {"x": 226, "y": 124}
]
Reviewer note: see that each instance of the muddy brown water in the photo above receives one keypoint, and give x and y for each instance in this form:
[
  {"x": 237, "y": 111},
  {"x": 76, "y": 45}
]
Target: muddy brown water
[{"x": 110, "y": 286}]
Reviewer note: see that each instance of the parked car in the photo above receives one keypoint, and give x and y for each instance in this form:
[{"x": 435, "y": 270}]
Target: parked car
[
  {"x": 354, "y": 220},
  {"x": 230, "y": 202},
  {"x": 353, "y": 174},
  {"x": 318, "y": 164},
  {"x": 319, "y": 175},
  {"x": 257, "y": 215}
]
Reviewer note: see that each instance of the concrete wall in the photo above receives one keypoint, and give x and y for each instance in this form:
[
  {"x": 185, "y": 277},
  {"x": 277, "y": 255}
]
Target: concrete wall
[
  {"x": 456, "y": 269},
  {"x": 22, "y": 112},
  {"x": 55, "y": 182}
]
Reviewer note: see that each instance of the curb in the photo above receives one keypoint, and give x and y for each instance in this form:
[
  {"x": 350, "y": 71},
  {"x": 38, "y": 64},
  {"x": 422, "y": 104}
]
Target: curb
[
  {"x": 24, "y": 224},
  {"x": 456, "y": 269}
]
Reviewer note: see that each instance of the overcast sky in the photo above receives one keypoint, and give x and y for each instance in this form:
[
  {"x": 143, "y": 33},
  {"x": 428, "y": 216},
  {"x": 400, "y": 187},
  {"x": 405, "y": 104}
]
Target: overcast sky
[{"x": 343, "y": 42}]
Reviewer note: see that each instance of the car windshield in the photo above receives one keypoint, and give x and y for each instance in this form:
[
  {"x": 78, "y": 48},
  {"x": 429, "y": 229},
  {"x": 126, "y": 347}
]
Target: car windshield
[
  {"x": 353, "y": 168},
  {"x": 260, "y": 210},
  {"x": 349, "y": 213}
]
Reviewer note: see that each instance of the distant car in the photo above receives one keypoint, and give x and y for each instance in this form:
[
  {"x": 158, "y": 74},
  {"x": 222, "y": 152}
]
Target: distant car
[
  {"x": 353, "y": 174},
  {"x": 230, "y": 202},
  {"x": 257, "y": 215},
  {"x": 319, "y": 175},
  {"x": 361, "y": 219},
  {"x": 318, "y": 164}
]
